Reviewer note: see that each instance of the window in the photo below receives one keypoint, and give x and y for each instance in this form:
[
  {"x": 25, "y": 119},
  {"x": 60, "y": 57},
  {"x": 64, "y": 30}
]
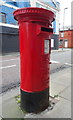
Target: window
[
  {"x": 60, "y": 42},
  {"x": 3, "y": 17},
  {"x": 14, "y": 3},
  {"x": 54, "y": 4},
  {"x": 62, "y": 34},
  {"x": 37, "y": 4}
]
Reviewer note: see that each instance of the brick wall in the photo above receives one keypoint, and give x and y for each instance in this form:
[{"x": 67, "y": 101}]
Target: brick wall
[{"x": 68, "y": 35}]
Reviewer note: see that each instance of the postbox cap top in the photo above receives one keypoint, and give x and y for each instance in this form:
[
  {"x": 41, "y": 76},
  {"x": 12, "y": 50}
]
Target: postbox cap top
[{"x": 34, "y": 12}]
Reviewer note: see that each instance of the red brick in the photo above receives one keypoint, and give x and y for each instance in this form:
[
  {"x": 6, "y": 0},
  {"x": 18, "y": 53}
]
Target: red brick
[{"x": 68, "y": 34}]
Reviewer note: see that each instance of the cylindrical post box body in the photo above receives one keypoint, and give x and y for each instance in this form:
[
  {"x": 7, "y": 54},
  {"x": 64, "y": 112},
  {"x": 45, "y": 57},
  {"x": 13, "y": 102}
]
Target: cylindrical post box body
[{"x": 35, "y": 45}]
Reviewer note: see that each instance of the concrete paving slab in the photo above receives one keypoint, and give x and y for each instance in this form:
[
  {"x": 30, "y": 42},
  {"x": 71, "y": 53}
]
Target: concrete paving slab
[
  {"x": 11, "y": 93},
  {"x": 62, "y": 77},
  {"x": 0, "y": 106},
  {"x": 0, "y": 118},
  {"x": 61, "y": 110},
  {"x": 66, "y": 93},
  {"x": 60, "y": 82},
  {"x": 10, "y": 109},
  {"x": 72, "y": 110},
  {"x": 71, "y": 92},
  {"x": 56, "y": 88}
]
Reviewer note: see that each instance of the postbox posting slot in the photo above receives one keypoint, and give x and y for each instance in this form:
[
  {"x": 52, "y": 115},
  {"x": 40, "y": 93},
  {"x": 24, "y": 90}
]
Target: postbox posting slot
[
  {"x": 43, "y": 29},
  {"x": 46, "y": 29}
]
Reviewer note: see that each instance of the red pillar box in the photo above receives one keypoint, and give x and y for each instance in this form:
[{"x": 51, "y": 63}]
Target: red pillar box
[{"x": 35, "y": 45}]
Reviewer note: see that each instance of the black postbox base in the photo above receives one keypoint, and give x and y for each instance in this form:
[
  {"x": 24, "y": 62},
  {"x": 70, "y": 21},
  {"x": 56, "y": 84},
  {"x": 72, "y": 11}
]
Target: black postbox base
[{"x": 35, "y": 102}]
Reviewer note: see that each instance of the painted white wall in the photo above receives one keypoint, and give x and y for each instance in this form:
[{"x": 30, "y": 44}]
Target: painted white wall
[
  {"x": 52, "y": 43},
  {"x": 8, "y": 5},
  {"x": 9, "y": 25}
]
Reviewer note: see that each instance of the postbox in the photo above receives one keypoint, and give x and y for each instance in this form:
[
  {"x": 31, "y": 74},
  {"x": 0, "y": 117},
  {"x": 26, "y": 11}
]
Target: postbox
[{"x": 35, "y": 47}]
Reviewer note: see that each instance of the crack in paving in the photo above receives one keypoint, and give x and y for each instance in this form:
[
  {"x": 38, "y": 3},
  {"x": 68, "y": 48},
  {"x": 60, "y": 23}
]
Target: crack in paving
[
  {"x": 10, "y": 86},
  {"x": 65, "y": 98},
  {"x": 60, "y": 68}
]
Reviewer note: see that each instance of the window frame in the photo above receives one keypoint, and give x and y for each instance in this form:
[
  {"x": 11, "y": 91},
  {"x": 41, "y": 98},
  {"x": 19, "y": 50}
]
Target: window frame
[{"x": 3, "y": 17}]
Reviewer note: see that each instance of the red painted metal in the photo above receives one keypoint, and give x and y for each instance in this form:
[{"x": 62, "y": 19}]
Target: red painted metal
[{"x": 34, "y": 61}]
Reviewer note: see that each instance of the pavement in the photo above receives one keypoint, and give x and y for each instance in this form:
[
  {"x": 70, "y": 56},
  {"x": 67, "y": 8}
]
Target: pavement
[{"x": 60, "y": 90}]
